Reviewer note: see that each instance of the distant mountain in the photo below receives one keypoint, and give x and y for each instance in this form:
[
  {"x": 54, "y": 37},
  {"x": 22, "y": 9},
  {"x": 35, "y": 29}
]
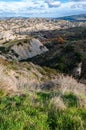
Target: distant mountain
[{"x": 81, "y": 17}]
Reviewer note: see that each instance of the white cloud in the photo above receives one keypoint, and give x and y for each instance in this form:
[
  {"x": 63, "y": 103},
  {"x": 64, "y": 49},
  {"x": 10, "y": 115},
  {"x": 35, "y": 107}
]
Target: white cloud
[
  {"x": 75, "y": 5},
  {"x": 42, "y": 8},
  {"x": 53, "y": 3},
  {"x": 78, "y": 0}
]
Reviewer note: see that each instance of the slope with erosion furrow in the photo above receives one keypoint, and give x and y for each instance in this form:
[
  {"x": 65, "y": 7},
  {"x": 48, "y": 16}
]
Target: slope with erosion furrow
[{"x": 22, "y": 49}]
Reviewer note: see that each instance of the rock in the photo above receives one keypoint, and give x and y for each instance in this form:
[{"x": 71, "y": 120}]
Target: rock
[
  {"x": 77, "y": 70},
  {"x": 28, "y": 49}
]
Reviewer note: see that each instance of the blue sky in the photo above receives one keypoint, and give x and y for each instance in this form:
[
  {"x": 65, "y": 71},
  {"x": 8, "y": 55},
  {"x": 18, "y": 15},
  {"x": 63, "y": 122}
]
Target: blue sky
[{"x": 41, "y": 8}]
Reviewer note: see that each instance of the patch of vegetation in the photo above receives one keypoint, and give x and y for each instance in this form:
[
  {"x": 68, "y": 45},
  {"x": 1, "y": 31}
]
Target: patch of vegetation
[
  {"x": 71, "y": 100},
  {"x": 69, "y": 48},
  {"x": 31, "y": 112},
  {"x": 70, "y": 119},
  {"x": 2, "y": 49},
  {"x": 78, "y": 56},
  {"x": 16, "y": 42}
]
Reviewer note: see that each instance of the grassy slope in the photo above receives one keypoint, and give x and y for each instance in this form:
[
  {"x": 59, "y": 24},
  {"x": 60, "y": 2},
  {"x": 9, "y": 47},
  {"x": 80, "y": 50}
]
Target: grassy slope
[
  {"x": 39, "y": 111},
  {"x": 50, "y": 110},
  {"x": 47, "y": 109},
  {"x": 20, "y": 76}
]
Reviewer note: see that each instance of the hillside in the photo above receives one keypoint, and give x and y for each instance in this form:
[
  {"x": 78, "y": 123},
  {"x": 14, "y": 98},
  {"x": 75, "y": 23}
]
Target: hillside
[
  {"x": 22, "y": 49},
  {"x": 32, "y": 97},
  {"x": 42, "y": 74},
  {"x": 17, "y": 76},
  {"x": 67, "y": 49}
]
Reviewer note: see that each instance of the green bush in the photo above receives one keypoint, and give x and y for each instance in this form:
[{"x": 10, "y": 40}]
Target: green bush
[
  {"x": 69, "y": 48},
  {"x": 78, "y": 57}
]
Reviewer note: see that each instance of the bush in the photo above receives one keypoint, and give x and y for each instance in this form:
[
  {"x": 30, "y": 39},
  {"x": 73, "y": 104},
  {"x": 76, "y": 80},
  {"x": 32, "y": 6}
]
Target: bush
[
  {"x": 69, "y": 48},
  {"x": 78, "y": 57}
]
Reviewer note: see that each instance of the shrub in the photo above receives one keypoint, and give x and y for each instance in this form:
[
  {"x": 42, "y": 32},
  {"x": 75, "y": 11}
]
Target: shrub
[
  {"x": 69, "y": 48},
  {"x": 78, "y": 57}
]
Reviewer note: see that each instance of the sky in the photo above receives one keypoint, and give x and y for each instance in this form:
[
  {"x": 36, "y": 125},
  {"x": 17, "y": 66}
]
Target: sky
[{"x": 41, "y": 8}]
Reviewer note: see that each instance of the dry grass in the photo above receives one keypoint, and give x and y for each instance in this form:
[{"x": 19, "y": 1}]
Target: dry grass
[
  {"x": 18, "y": 76},
  {"x": 7, "y": 82},
  {"x": 25, "y": 77},
  {"x": 57, "y": 103}
]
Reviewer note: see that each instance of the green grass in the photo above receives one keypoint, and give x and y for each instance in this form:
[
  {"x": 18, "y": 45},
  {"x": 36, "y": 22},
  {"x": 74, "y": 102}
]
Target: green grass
[
  {"x": 71, "y": 100},
  {"x": 34, "y": 112}
]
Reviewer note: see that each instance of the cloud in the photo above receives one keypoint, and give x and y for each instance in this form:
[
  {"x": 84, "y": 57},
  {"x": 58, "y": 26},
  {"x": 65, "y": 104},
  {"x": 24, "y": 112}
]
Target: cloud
[
  {"x": 78, "y": 0},
  {"x": 52, "y": 3},
  {"x": 72, "y": 4},
  {"x": 41, "y": 8},
  {"x": 78, "y": 4}
]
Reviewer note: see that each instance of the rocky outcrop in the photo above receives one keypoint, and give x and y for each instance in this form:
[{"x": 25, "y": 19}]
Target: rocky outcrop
[
  {"x": 77, "y": 70},
  {"x": 28, "y": 49}
]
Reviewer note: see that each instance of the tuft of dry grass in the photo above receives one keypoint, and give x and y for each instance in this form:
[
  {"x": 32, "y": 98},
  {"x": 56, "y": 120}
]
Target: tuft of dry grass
[
  {"x": 57, "y": 103},
  {"x": 69, "y": 84}
]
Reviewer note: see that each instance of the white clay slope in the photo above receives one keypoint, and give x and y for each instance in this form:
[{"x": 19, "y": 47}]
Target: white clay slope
[{"x": 30, "y": 49}]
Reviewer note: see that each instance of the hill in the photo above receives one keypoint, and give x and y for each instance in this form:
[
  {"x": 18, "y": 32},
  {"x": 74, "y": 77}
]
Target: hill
[
  {"x": 42, "y": 74},
  {"x": 77, "y": 18},
  {"x": 32, "y": 97}
]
